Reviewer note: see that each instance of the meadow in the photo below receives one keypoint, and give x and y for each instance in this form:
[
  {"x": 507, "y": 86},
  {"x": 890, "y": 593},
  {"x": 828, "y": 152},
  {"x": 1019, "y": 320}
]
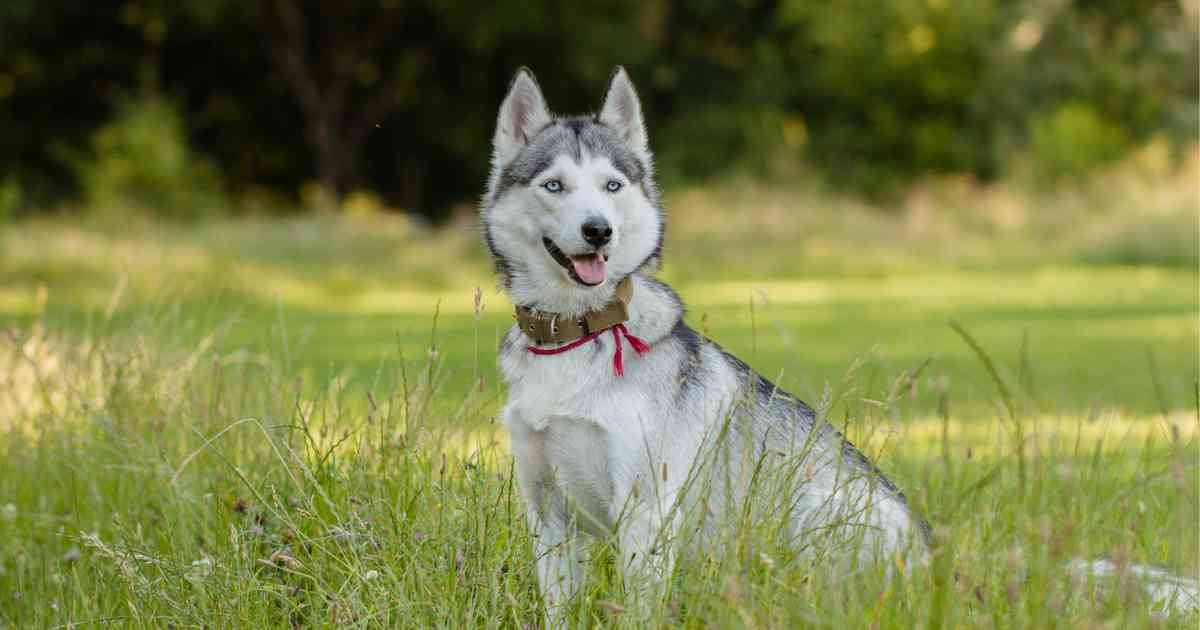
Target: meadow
[{"x": 273, "y": 422}]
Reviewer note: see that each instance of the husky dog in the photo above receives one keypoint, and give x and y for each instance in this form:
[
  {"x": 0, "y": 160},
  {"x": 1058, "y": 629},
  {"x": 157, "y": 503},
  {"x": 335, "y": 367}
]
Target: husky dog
[
  {"x": 613, "y": 400},
  {"x": 625, "y": 421}
]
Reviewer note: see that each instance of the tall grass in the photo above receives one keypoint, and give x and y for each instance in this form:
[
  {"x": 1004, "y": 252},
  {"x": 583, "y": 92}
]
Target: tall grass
[
  {"x": 166, "y": 464},
  {"x": 149, "y": 482}
]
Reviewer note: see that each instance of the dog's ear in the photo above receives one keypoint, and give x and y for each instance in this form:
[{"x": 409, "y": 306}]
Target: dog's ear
[
  {"x": 623, "y": 111},
  {"x": 522, "y": 114}
]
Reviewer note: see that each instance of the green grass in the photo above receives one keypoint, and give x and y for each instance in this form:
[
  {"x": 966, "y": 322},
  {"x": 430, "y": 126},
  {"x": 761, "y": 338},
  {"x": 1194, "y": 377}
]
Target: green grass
[
  {"x": 154, "y": 483},
  {"x": 340, "y": 298},
  {"x": 272, "y": 423}
]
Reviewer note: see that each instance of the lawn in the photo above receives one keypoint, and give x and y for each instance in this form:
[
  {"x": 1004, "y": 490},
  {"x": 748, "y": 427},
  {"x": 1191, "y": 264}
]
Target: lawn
[
  {"x": 347, "y": 298},
  {"x": 265, "y": 422}
]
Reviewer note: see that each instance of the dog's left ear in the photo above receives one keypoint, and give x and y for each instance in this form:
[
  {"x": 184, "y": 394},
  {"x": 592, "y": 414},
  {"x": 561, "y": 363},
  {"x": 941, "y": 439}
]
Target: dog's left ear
[{"x": 623, "y": 111}]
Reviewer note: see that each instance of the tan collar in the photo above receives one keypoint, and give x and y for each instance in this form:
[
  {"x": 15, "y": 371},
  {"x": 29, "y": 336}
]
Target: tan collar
[{"x": 544, "y": 328}]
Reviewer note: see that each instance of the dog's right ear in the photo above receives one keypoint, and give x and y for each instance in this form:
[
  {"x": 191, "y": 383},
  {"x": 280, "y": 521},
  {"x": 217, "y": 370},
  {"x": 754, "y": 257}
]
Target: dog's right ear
[{"x": 522, "y": 114}]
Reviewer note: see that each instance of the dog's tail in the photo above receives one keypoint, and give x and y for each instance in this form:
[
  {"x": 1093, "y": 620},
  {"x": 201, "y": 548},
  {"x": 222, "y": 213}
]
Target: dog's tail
[{"x": 1168, "y": 592}]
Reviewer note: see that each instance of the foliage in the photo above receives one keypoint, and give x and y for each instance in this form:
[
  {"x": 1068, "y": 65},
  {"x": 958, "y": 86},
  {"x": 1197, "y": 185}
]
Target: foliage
[
  {"x": 141, "y": 162},
  {"x": 10, "y": 198},
  {"x": 400, "y": 97},
  {"x": 1074, "y": 138},
  {"x": 899, "y": 88},
  {"x": 61, "y": 64}
]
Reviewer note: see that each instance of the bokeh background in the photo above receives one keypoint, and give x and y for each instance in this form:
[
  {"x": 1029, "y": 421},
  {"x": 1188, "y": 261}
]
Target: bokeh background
[
  {"x": 248, "y": 325},
  {"x": 843, "y": 178},
  {"x": 187, "y": 108}
]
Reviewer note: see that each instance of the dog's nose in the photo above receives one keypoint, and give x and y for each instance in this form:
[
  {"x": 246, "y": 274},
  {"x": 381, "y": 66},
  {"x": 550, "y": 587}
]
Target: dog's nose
[{"x": 597, "y": 231}]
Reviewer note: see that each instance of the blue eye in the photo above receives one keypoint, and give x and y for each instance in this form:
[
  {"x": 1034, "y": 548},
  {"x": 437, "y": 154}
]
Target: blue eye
[
  {"x": 612, "y": 186},
  {"x": 553, "y": 186}
]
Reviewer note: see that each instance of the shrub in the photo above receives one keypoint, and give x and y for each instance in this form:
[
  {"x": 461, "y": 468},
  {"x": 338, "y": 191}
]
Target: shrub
[
  {"x": 11, "y": 198},
  {"x": 1074, "y": 139},
  {"x": 141, "y": 163}
]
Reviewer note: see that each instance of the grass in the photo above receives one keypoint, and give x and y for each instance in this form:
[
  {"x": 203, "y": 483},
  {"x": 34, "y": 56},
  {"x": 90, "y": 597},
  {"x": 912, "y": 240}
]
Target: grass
[
  {"x": 267, "y": 423},
  {"x": 1089, "y": 330},
  {"x": 153, "y": 483}
]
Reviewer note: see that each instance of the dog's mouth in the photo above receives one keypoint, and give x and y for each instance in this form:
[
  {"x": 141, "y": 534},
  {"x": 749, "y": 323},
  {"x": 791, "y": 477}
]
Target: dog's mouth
[{"x": 587, "y": 269}]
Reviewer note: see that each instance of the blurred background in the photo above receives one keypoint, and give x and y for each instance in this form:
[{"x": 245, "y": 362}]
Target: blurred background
[
  {"x": 248, "y": 326},
  {"x": 200, "y": 108},
  {"x": 842, "y": 177}
]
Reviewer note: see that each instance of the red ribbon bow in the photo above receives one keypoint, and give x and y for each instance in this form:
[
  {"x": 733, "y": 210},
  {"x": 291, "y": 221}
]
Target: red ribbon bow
[{"x": 639, "y": 346}]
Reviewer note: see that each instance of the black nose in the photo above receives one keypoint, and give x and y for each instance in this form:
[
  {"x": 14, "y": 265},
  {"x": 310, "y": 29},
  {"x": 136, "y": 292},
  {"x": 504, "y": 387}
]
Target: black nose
[{"x": 597, "y": 231}]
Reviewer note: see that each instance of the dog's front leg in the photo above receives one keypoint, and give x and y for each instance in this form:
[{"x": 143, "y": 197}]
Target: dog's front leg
[
  {"x": 645, "y": 535},
  {"x": 560, "y": 549},
  {"x": 561, "y": 555}
]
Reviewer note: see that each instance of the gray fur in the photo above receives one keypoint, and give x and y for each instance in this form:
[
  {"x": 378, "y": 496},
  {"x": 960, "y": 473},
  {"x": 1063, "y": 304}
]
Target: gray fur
[
  {"x": 587, "y": 442},
  {"x": 569, "y": 136}
]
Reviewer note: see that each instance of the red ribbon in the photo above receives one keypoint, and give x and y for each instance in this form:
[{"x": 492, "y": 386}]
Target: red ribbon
[{"x": 639, "y": 346}]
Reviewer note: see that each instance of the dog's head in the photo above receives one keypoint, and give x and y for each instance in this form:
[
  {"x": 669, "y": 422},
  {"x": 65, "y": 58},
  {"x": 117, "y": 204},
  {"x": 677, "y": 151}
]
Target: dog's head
[{"x": 571, "y": 206}]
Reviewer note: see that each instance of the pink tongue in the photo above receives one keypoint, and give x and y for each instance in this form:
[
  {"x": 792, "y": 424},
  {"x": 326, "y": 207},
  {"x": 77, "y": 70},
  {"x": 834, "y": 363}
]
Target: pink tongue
[{"x": 590, "y": 269}]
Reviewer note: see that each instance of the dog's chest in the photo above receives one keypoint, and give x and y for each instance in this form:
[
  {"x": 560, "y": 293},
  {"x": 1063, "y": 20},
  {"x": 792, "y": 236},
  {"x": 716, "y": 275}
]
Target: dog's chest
[
  {"x": 580, "y": 382},
  {"x": 574, "y": 426},
  {"x": 580, "y": 387}
]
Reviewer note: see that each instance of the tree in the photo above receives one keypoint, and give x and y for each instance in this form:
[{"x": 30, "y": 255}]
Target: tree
[{"x": 331, "y": 65}]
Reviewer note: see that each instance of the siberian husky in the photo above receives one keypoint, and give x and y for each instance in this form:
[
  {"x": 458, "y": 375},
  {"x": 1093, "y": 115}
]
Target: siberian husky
[{"x": 624, "y": 421}]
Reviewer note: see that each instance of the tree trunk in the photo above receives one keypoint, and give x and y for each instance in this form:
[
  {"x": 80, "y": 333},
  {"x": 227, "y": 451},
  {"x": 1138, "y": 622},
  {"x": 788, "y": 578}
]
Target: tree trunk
[
  {"x": 323, "y": 88},
  {"x": 329, "y": 167}
]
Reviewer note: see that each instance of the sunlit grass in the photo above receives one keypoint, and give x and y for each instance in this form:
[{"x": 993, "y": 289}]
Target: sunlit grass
[
  {"x": 260, "y": 422},
  {"x": 1098, "y": 337},
  {"x": 799, "y": 282},
  {"x": 153, "y": 482}
]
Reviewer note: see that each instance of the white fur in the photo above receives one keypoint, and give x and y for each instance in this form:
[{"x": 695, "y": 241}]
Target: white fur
[
  {"x": 522, "y": 217},
  {"x": 583, "y": 439},
  {"x": 599, "y": 454},
  {"x": 604, "y": 455}
]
